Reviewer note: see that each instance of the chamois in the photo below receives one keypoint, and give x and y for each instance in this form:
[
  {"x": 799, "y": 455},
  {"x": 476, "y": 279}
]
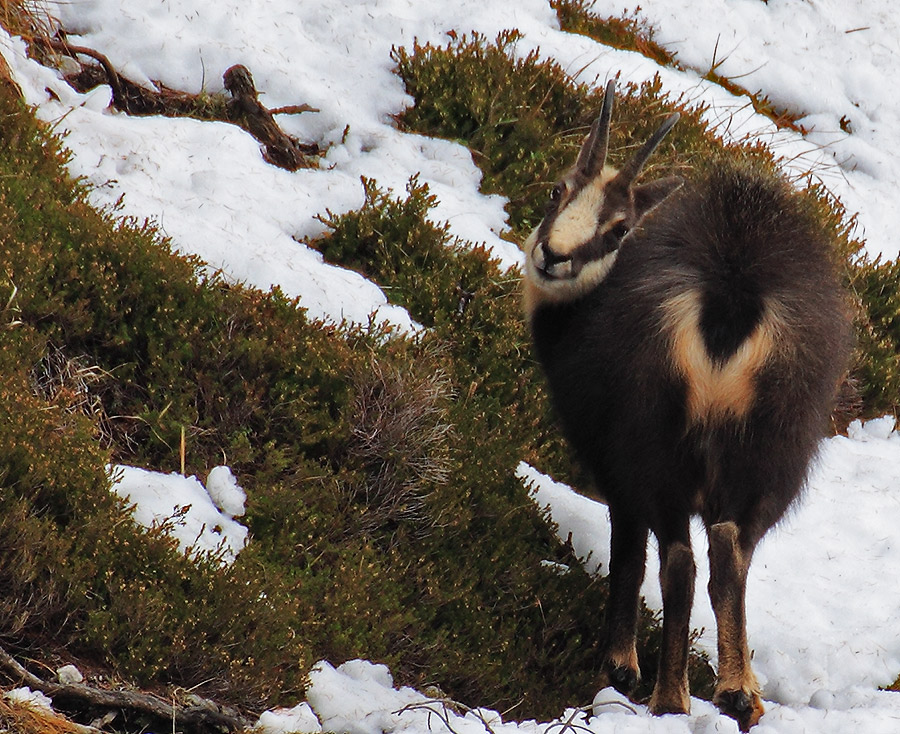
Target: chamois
[{"x": 693, "y": 334}]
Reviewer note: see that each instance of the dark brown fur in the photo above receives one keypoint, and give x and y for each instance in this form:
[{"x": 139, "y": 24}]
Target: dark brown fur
[{"x": 697, "y": 377}]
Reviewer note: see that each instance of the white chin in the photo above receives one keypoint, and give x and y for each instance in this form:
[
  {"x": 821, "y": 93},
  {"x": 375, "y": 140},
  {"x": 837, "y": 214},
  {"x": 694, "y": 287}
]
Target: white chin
[
  {"x": 560, "y": 271},
  {"x": 558, "y": 288}
]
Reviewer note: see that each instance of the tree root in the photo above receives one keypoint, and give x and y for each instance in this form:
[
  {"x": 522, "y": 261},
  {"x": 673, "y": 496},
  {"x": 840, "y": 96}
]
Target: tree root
[
  {"x": 243, "y": 109},
  {"x": 200, "y": 715}
]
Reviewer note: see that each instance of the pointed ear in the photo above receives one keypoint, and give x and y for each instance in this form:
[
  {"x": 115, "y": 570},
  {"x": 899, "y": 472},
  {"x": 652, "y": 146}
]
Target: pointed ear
[{"x": 649, "y": 195}]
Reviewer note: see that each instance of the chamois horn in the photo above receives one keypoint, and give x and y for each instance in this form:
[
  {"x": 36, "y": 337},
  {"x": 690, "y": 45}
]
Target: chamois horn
[
  {"x": 631, "y": 169},
  {"x": 593, "y": 153}
]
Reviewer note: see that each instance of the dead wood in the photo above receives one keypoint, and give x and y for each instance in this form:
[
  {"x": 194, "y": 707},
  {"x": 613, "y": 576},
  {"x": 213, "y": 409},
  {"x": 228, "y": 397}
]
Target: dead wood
[
  {"x": 243, "y": 109},
  {"x": 128, "y": 96},
  {"x": 120, "y": 99},
  {"x": 246, "y": 110},
  {"x": 199, "y": 714}
]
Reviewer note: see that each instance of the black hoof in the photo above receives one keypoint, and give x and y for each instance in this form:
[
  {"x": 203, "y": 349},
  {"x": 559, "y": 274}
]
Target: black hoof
[
  {"x": 737, "y": 702},
  {"x": 622, "y": 678}
]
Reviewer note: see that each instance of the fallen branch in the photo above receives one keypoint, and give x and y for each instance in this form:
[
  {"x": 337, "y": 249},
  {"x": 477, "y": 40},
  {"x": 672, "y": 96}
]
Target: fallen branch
[
  {"x": 120, "y": 100},
  {"x": 246, "y": 110},
  {"x": 205, "y": 715},
  {"x": 243, "y": 109}
]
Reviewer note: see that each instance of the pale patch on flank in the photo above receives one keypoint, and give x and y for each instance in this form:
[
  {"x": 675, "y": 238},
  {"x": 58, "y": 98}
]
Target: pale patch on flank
[{"x": 717, "y": 390}]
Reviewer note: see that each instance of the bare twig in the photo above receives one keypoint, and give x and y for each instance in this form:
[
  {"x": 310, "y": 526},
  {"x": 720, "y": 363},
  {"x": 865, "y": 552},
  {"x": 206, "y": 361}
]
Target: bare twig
[
  {"x": 443, "y": 708},
  {"x": 115, "y": 81}
]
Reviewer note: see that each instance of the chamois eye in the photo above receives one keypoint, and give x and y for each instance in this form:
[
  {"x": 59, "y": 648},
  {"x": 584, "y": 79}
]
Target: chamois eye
[
  {"x": 557, "y": 193},
  {"x": 619, "y": 230}
]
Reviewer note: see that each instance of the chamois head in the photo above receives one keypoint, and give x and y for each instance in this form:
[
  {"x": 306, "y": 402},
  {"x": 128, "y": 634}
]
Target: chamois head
[{"x": 591, "y": 209}]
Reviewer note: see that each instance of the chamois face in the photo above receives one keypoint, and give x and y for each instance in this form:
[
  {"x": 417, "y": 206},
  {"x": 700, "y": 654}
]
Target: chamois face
[{"x": 591, "y": 210}]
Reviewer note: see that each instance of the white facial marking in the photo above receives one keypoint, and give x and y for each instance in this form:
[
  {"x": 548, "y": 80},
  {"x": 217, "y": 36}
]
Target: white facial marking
[
  {"x": 577, "y": 222},
  {"x": 539, "y": 289}
]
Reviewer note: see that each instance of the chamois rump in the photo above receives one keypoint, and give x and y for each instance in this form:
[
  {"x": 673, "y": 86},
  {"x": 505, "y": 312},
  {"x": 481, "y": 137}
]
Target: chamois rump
[{"x": 693, "y": 334}]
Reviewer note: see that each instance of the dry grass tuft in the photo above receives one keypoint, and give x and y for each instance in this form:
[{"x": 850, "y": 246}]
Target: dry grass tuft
[
  {"x": 28, "y": 19},
  {"x": 401, "y": 434},
  {"x": 19, "y": 717}
]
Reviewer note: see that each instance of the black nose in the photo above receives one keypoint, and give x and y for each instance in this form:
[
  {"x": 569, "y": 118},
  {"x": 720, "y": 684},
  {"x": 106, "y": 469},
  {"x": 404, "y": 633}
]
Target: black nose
[
  {"x": 550, "y": 257},
  {"x": 553, "y": 266}
]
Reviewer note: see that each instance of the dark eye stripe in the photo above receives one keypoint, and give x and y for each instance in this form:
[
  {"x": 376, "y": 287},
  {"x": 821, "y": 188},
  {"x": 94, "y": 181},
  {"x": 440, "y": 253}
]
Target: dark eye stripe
[{"x": 619, "y": 230}]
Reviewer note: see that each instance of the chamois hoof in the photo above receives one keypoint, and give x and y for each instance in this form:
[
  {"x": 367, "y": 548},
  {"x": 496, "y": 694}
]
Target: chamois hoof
[
  {"x": 620, "y": 677},
  {"x": 744, "y": 707},
  {"x": 669, "y": 702}
]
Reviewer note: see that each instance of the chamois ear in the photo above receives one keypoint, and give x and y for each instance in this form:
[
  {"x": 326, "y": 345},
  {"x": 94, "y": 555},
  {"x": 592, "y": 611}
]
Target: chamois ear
[{"x": 649, "y": 195}]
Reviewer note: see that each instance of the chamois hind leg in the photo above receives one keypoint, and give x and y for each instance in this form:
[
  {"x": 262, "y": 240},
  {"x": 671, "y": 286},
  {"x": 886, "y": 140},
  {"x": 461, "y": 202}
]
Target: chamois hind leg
[
  {"x": 753, "y": 484},
  {"x": 628, "y": 556},
  {"x": 676, "y": 575},
  {"x": 737, "y": 691}
]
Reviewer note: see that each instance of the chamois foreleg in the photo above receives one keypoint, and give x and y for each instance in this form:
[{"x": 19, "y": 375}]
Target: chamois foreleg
[
  {"x": 676, "y": 575},
  {"x": 737, "y": 691},
  {"x": 628, "y": 556}
]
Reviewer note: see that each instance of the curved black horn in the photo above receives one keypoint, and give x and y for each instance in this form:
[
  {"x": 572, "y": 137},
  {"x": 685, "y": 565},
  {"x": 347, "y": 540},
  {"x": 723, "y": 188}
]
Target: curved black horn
[
  {"x": 631, "y": 169},
  {"x": 592, "y": 157}
]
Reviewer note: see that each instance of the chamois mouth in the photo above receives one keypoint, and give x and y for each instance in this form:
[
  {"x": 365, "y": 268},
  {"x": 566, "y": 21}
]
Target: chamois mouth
[{"x": 552, "y": 266}]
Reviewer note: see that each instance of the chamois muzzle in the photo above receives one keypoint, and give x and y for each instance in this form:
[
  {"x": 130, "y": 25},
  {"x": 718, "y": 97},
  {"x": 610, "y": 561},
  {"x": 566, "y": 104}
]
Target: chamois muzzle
[{"x": 552, "y": 266}]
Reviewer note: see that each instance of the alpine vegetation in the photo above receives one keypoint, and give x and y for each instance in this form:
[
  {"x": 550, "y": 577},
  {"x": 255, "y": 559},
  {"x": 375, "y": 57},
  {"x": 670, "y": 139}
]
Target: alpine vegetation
[{"x": 693, "y": 334}]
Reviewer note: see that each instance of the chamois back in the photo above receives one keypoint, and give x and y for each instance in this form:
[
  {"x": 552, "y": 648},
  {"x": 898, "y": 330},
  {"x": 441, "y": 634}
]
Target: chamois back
[{"x": 721, "y": 316}]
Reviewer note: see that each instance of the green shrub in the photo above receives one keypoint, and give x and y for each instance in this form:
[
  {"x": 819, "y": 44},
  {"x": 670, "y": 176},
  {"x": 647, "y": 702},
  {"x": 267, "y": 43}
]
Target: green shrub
[
  {"x": 876, "y": 285},
  {"x": 418, "y": 548},
  {"x": 76, "y": 570},
  {"x": 507, "y": 112},
  {"x": 471, "y": 307},
  {"x": 88, "y": 296},
  {"x": 524, "y": 118}
]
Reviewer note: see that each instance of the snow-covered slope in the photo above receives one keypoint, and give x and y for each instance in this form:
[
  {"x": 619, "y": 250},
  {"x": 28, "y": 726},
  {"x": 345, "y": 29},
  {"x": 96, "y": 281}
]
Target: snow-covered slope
[{"x": 824, "y": 606}]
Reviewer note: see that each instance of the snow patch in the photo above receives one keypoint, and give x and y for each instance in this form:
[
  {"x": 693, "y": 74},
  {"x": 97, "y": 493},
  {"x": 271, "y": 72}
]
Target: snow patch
[{"x": 185, "y": 508}]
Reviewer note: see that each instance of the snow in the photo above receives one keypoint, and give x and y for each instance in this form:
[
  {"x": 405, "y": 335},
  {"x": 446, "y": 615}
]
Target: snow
[
  {"x": 26, "y": 697},
  {"x": 359, "y": 697},
  {"x": 300, "y": 718},
  {"x": 188, "y": 511},
  {"x": 824, "y": 611},
  {"x": 69, "y": 675},
  {"x": 820, "y": 617},
  {"x": 224, "y": 491}
]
